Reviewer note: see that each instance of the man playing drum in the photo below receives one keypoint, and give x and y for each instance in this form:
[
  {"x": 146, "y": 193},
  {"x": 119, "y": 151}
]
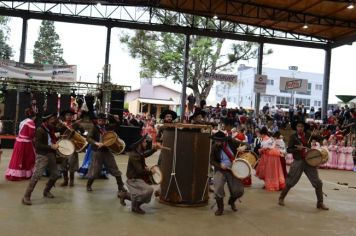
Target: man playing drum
[
  {"x": 298, "y": 143},
  {"x": 46, "y": 147},
  {"x": 101, "y": 154},
  {"x": 222, "y": 156},
  {"x": 70, "y": 164},
  {"x": 138, "y": 175}
]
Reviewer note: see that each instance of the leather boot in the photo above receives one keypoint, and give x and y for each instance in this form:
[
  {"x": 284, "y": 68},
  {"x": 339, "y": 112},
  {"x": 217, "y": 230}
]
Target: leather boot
[
  {"x": 46, "y": 191},
  {"x": 65, "y": 179},
  {"x": 120, "y": 184},
  {"x": 123, "y": 196},
  {"x": 319, "y": 196},
  {"x": 71, "y": 179},
  {"x": 283, "y": 195},
  {"x": 220, "y": 203},
  {"x": 232, "y": 203},
  {"x": 26, "y": 200},
  {"x": 89, "y": 183},
  {"x": 136, "y": 207}
]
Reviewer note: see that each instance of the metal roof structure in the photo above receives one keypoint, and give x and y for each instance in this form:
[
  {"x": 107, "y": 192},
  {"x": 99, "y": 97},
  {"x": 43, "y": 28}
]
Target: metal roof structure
[{"x": 308, "y": 23}]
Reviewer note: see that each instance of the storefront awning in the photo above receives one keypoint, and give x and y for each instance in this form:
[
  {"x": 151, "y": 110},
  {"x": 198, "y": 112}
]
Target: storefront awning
[{"x": 157, "y": 101}]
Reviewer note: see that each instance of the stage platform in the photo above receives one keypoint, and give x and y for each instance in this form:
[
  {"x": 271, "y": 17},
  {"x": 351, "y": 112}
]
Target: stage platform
[{"x": 74, "y": 211}]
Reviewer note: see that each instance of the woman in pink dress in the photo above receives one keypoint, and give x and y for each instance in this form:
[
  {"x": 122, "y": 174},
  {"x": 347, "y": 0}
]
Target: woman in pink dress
[
  {"x": 348, "y": 156},
  {"x": 23, "y": 156},
  {"x": 269, "y": 167},
  {"x": 325, "y": 145},
  {"x": 333, "y": 153},
  {"x": 341, "y": 161}
]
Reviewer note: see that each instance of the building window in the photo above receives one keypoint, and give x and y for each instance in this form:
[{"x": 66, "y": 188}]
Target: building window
[
  {"x": 304, "y": 101},
  {"x": 283, "y": 101},
  {"x": 317, "y": 103},
  {"x": 318, "y": 87},
  {"x": 270, "y": 82}
]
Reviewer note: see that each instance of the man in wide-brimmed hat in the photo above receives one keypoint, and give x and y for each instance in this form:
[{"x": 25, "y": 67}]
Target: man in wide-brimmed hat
[
  {"x": 46, "y": 146},
  {"x": 138, "y": 175},
  {"x": 198, "y": 116},
  {"x": 70, "y": 164},
  {"x": 298, "y": 144},
  {"x": 167, "y": 116},
  {"x": 223, "y": 154},
  {"x": 101, "y": 154}
]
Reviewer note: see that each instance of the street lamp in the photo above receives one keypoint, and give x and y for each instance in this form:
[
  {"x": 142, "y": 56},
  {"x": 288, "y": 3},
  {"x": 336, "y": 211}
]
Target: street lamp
[{"x": 293, "y": 69}]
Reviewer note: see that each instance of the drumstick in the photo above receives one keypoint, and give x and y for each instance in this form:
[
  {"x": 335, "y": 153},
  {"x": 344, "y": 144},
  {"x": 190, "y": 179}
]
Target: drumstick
[
  {"x": 311, "y": 135},
  {"x": 166, "y": 148}
]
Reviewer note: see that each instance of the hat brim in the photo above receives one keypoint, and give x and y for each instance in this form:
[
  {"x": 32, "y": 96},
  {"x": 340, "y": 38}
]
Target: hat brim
[
  {"x": 132, "y": 146},
  {"x": 63, "y": 113},
  {"x": 294, "y": 125},
  {"x": 166, "y": 112},
  {"x": 46, "y": 117}
]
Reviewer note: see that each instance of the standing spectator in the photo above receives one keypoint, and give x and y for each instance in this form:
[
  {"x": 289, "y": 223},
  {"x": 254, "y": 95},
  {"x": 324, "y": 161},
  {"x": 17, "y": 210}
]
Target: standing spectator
[
  {"x": 223, "y": 103},
  {"x": 191, "y": 102}
]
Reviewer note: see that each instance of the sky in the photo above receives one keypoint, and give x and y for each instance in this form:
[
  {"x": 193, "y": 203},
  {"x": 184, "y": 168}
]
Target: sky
[{"x": 84, "y": 46}]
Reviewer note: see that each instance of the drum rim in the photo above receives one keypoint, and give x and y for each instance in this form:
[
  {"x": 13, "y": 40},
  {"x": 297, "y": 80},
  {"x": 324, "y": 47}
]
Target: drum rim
[
  {"x": 159, "y": 169},
  {"x": 248, "y": 165},
  {"x": 68, "y": 141}
]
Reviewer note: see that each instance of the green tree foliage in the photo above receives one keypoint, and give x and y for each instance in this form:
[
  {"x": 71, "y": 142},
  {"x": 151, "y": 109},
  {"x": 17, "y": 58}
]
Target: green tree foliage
[
  {"x": 162, "y": 55},
  {"x": 47, "y": 49},
  {"x": 5, "y": 49}
]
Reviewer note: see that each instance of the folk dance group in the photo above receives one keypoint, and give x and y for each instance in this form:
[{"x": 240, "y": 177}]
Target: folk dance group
[{"x": 270, "y": 167}]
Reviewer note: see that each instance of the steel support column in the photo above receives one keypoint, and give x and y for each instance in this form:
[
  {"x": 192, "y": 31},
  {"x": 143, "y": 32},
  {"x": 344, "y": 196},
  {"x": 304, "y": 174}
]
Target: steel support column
[
  {"x": 325, "y": 97},
  {"x": 106, "y": 77},
  {"x": 23, "y": 40},
  {"x": 185, "y": 77},
  {"x": 107, "y": 55},
  {"x": 259, "y": 71}
]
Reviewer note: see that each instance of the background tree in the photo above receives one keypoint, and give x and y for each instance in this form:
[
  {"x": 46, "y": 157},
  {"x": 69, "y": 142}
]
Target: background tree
[
  {"x": 47, "y": 49},
  {"x": 162, "y": 55},
  {"x": 5, "y": 49}
]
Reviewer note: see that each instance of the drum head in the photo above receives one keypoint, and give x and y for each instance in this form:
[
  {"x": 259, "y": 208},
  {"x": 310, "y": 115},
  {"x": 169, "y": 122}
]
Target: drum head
[
  {"x": 241, "y": 169},
  {"x": 313, "y": 157},
  {"x": 66, "y": 147},
  {"x": 324, "y": 155},
  {"x": 156, "y": 174}
]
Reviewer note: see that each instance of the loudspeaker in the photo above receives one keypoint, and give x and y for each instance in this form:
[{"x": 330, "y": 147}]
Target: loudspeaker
[
  {"x": 10, "y": 104},
  {"x": 52, "y": 103},
  {"x": 65, "y": 102},
  {"x": 129, "y": 134},
  {"x": 25, "y": 102},
  {"x": 117, "y": 102}
]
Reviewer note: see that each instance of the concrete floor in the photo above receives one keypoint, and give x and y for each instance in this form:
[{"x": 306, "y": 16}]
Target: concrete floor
[{"x": 76, "y": 212}]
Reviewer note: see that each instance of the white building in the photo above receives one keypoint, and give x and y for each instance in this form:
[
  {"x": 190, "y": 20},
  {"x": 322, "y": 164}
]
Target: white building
[
  {"x": 152, "y": 99},
  {"x": 242, "y": 94}
]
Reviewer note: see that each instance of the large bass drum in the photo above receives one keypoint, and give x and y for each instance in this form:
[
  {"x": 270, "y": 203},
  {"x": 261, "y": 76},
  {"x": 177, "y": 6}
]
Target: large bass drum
[{"x": 185, "y": 167}]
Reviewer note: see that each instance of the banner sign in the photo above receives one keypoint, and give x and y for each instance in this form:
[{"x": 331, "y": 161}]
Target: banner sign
[
  {"x": 221, "y": 77},
  {"x": 18, "y": 70},
  {"x": 260, "y": 83},
  {"x": 293, "y": 84}
]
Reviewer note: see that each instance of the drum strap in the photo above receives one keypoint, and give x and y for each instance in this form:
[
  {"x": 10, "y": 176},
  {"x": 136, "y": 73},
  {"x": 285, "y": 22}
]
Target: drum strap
[
  {"x": 228, "y": 152},
  {"x": 51, "y": 133}
]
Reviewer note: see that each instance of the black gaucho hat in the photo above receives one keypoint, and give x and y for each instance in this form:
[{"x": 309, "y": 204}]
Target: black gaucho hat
[
  {"x": 68, "y": 111},
  {"x": 198, "y": 112},
  {"x": 101, "y": 116},
  {"x": 166, "y": 112},
  {"x": 138, "y": 139},
  {"x": 295, "y": 123},
  {"x": 48, "y": 115},
  {"x": 219, "y": 136}
]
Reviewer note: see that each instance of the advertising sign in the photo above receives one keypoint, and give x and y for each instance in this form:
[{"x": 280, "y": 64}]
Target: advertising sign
[
  {"x": 58, "y": 73},
  {"x": 293, "y": 84},
  {"x": 260, "y": 83}
]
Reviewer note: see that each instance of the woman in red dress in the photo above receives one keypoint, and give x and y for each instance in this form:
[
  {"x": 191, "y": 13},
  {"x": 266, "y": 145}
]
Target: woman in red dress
[
  {"x": 269, "y": 167},
  {"x": 23, "y": 156}
]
